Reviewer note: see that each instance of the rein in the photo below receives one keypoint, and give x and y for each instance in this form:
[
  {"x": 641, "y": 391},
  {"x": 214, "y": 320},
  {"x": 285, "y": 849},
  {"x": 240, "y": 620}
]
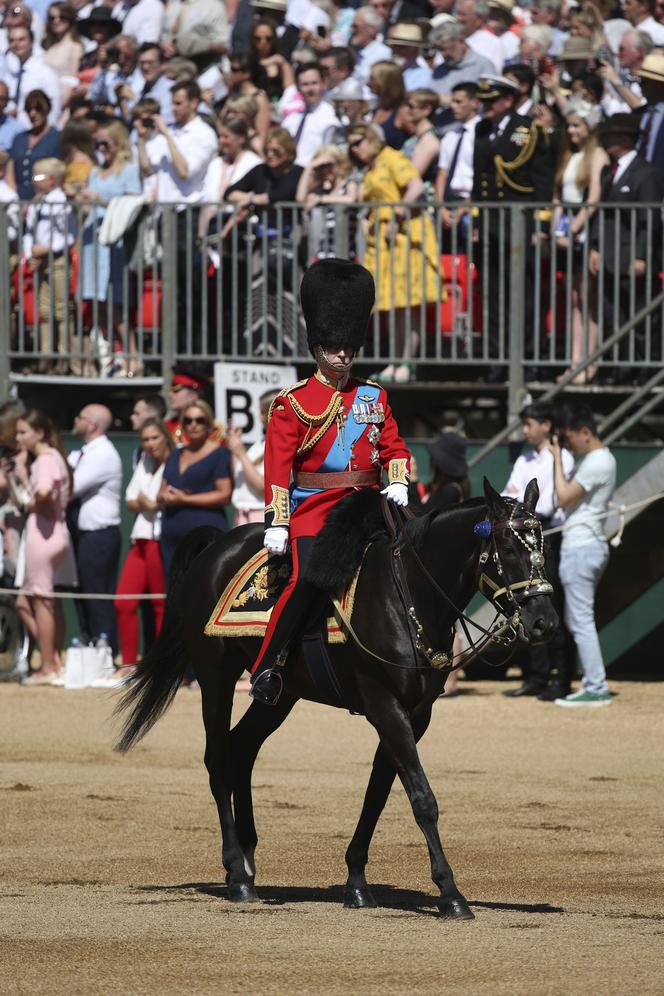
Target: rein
[{"x": 504, "y": 635}]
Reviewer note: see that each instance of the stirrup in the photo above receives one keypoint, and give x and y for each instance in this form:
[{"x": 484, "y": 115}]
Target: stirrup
[{"x": 267, "y": 686}]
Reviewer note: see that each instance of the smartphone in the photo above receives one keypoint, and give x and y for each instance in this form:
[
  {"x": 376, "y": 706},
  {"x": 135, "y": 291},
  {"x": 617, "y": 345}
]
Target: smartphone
[
  {"x": 321, "y": 31},
  {"x": 547, "y": 65},
  {"x": 604, "y": 54}
]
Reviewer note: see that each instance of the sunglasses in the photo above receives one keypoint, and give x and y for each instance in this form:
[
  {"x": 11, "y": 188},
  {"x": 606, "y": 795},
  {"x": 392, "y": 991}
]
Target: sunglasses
[
  {"x": 195, "y": 420},
  {"x": 102, "y": 145},
  {"x": 354, "y": 145},
  {"x": 274, "y": 152},
  {"x": 58, "y": 17}
]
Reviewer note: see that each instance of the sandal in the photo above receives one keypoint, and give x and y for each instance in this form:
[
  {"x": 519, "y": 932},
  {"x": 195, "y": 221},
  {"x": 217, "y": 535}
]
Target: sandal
[{"x": 37, "y": 678}]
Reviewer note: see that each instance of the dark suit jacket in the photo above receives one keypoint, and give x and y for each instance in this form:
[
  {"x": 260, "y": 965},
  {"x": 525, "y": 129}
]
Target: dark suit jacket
[
  {"x": 658, "y": 151},
  {"x": 630, "y": 233}
]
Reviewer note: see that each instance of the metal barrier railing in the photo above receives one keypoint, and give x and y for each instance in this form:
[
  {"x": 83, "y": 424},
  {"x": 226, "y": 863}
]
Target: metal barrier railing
[{"x": 493, "y": 290}]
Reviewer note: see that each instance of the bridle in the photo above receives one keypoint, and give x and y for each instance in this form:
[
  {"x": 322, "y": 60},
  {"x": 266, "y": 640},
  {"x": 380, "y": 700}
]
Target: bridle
[{"x": 514, "y": 593}]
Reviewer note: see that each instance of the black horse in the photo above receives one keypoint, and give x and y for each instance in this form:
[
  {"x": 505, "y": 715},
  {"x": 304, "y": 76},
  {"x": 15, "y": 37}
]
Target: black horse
[{"x": 384, "y": 671}]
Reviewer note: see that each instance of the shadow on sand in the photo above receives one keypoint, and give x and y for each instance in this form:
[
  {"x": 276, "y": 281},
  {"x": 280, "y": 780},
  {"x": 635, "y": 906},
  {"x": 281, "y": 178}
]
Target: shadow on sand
[{"x": 387, "y": 896}]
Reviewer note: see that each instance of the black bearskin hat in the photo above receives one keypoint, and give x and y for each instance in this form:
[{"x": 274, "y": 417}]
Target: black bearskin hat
[{"x": 337, "y": 297}]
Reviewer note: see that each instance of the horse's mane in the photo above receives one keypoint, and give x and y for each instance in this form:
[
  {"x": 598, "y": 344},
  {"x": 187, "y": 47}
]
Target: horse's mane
[{"x": 418, "y": 528}]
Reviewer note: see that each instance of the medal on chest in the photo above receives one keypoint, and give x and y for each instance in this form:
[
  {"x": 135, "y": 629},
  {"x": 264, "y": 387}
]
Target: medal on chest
[{"x": 366, "y": 411}]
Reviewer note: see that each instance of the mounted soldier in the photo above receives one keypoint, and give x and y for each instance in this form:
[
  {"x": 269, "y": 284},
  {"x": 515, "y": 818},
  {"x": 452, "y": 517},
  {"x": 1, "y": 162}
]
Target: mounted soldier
[{"x": 327, "y": 436}]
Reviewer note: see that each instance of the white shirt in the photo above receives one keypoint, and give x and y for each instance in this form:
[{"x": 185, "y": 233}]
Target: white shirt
[
  {"x": 49, "y": 223},
  {"x": 197, "y": 142},
  {"x": 375, "y": 51},
  {"x": 653, "y": 28},
  {"x": 159, "y": 91},
  {"x": 35, "y": 74},
  {"x": 487, "y": 44},
  {"x": 596, "y": 473},
  {"x": 142, "y": 21},
  {"x": 316, "y": 123},
  {"x": 97, "y": 470},
  {"x": 462, "y": 181},
  {"x": 244, "y": 498},
  {"x": 222, "y": 175},
  {"x": 146, "y": 478},
  {"x": 540, "y": 466},
  {"x": 511, "y": 44},
  {"x": 183, "y": 15},
  {"x": 623, "y": 163},
  {"x": 9, "y": 196}
]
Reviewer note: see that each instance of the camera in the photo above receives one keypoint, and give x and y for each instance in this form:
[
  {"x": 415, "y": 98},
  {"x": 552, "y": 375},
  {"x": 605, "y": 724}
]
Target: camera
[{"x": 147, "y": 122}]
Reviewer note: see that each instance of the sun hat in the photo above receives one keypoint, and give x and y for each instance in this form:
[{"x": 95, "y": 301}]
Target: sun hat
[
  {"x": 652, "y": 67},
  {"x": 448, "y": 453},
  {"x": 406, "y": 35}
]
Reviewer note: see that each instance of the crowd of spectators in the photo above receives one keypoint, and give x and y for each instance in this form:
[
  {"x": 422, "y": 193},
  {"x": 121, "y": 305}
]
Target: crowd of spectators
[
  {"x": 245, "y": 105},
  {"x": 61, "y": 515}
]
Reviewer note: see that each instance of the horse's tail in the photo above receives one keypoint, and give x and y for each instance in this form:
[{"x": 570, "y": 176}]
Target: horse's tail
[{"x": 152, "y": 687}]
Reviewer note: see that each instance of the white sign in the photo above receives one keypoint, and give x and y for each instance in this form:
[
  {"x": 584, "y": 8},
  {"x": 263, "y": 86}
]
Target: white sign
[{"x": 238, "y": 388}]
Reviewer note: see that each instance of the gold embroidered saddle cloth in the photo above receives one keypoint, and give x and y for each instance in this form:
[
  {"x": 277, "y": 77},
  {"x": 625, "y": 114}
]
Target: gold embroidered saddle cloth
[{"x": 246, "y": 604}]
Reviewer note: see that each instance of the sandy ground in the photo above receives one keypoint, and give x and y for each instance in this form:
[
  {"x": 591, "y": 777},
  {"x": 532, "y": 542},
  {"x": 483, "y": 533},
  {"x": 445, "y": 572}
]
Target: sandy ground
[{"x": 553, "y": 821}]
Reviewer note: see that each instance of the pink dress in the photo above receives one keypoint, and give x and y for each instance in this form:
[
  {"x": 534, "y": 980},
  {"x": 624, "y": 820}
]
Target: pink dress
[{"x": 47, "y": 541}]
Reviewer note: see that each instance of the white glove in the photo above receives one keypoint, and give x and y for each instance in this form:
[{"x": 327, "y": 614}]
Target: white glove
[
  {"x": 276, "y": 540},
  {"x": 398, "y": 493}
]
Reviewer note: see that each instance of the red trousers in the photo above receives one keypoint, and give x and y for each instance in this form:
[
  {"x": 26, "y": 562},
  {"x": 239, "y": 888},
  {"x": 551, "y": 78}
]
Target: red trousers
[{"x": 142, "y": 572}]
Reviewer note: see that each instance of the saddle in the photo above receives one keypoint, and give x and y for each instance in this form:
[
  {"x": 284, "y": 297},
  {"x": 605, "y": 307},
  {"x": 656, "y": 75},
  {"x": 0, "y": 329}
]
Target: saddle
[{"x": 246, "y": 604}]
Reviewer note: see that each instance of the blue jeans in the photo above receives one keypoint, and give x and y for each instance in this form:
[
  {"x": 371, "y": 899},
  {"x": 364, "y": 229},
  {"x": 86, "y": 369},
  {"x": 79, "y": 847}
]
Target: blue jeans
[{"x": 580, "y": 571}]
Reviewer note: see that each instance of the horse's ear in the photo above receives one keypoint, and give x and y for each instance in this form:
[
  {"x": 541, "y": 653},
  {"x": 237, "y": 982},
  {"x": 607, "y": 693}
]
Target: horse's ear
[
  {"x": 494, "y": 501},
  {"x": 531, "y": 497}
]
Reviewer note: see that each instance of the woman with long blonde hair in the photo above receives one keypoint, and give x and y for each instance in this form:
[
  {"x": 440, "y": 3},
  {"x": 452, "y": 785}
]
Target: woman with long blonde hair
[
  {"x": 103, "y": 276},
  {"x": 577, "y": 192}
]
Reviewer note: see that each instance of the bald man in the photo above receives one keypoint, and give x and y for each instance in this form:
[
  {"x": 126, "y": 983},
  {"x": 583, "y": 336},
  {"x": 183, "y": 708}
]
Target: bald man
[{"x": 97, "y": 470}]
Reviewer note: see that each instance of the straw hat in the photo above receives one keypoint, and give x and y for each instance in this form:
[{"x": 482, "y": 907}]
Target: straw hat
[
  {"x": 504, "y": 6},
  {"x": 576, "y": 48},
  {"x": 410, "y": 35},
  {"x": 652, "y": 67}
]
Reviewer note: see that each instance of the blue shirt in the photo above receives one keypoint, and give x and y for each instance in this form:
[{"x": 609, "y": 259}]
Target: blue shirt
[
  {"x": 9, "y": 129},
  {"x": 198, "y": 478}
]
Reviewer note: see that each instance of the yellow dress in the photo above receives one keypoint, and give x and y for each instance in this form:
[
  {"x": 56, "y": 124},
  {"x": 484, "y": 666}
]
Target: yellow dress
[{"x": 407, "y": 269}]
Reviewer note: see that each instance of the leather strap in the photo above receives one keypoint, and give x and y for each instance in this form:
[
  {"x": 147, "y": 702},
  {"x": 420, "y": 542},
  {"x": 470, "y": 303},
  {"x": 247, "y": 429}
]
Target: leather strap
[{"x": 345, "y": 479}]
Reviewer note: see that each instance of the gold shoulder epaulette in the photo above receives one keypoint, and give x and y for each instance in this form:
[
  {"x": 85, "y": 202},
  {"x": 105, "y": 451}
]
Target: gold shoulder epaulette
[
  {"x": 284, "y": 393},
  {"x": 365, "y": 380}
]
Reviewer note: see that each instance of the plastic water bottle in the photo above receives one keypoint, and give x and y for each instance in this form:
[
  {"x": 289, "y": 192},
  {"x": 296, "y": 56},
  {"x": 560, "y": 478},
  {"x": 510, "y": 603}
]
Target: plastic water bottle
[
  {"x": 74, "y": 665},
  {"x": 104, "y": 656}
]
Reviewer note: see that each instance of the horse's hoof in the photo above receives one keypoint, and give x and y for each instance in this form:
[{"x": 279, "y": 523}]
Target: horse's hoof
[
  {"x": 359, "y": 899},
  {"x": 242, "y": 892},
  {"x": 455, "y": 909}
]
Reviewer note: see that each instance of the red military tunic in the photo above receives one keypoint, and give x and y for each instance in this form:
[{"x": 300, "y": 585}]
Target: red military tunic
[{"x": 314, "y": 428}]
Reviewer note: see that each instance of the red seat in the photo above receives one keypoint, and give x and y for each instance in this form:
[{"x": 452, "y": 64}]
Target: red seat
[{"x": 148, "y": 311}]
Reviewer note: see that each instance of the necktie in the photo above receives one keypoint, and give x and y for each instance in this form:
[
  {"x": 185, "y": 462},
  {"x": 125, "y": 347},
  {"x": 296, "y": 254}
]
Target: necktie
[
  {"x": 608, "y": 183},
  {"x": 453, "y": 165},
  {"x": 300, "y": 127},
  {"x": 646, "y": 128},
  {"x": 19, "y": 79},
  {"x": 146, "y": 89}
]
